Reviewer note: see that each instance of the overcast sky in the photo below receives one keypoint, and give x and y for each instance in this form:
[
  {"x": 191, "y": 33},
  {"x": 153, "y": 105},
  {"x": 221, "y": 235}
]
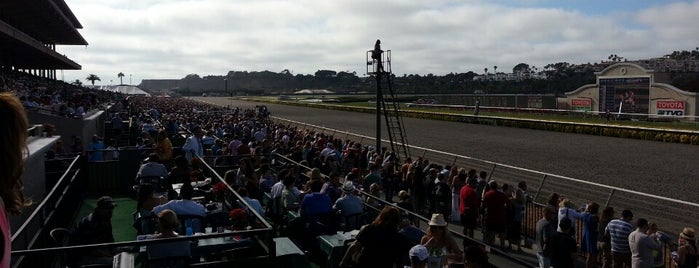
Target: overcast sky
[{"x": 168, "y": 39}]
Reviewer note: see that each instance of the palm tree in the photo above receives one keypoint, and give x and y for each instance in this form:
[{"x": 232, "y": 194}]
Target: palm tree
[
  {"x": 92, "y": 78},
  {"x": 120, "y": 75},
  {"x": 495, "y": 69},
  {"x": 485, "y": 70},
  {"x": 77, "y": 82}
]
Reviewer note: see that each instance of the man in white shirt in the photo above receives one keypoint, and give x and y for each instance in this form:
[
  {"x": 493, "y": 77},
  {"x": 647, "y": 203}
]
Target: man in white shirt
[
  {"x": 193, "y": 146},
  {"x": 642, "y": 245}
]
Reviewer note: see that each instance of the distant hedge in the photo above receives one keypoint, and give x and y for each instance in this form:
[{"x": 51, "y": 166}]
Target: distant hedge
[{"x": 675, "y": 136}]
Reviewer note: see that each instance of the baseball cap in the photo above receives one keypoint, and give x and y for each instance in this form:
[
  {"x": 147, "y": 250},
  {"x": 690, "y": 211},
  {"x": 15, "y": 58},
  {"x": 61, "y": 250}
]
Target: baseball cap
[
  {"x": 419, "y": 252},
  {"x": 106, "y": 202}
]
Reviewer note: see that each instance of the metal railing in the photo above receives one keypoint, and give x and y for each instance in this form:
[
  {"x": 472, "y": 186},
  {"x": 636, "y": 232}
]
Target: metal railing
[
  {"x": 668, "y": 213},
  {"x": 671, "y": 215},
  {"x": 46, "y": 213},
  {"x": 422, "y": 220}
]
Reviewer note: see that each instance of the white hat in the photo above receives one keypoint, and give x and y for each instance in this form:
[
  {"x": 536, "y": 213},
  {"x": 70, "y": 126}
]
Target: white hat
[
  {"x": 437, "y": 220},
  {"x": 348, "y": 186},
  {"x": 419, "y": 251}
]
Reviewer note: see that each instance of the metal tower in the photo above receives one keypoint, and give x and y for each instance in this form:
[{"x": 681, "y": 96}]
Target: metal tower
[{"x": 379, "y": 65}]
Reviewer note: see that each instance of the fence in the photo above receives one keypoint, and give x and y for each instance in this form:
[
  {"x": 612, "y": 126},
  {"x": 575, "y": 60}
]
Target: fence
[{"x": 669, "y": 214}]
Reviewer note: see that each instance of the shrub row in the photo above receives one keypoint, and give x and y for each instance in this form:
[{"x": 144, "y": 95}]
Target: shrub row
[{"x": 675, "y": 136}]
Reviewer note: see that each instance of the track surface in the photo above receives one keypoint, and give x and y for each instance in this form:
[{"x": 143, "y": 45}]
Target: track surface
[{"x": 665, "y": 169}]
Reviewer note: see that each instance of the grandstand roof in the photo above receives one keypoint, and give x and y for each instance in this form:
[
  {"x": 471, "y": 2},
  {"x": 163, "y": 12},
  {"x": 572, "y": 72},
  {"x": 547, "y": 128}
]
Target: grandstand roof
[
  {"x": 49, "y": 21},
  {"x": 29, "y": 30}
]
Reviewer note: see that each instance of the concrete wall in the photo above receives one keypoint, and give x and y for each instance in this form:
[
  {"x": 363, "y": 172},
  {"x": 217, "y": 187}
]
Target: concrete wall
[
  {"x": 69, "y": 127},
  {"x": 34, "y": 176}
]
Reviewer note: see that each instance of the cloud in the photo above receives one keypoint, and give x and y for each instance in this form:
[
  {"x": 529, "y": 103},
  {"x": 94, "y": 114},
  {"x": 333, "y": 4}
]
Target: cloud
[{"x": 170, "y": 39}]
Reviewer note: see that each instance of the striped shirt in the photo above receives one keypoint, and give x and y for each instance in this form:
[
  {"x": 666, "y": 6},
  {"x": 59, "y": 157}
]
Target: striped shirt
[{"x": 619, "y": 231}]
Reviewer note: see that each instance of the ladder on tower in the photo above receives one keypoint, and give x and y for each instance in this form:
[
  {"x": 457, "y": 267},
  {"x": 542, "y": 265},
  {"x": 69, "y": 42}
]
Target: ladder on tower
[{"x": 390, "y": 108}]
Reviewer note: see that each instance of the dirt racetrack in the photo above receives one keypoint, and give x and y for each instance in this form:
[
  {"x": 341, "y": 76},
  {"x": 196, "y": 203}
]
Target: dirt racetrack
[{"x": 664, "y": 169}]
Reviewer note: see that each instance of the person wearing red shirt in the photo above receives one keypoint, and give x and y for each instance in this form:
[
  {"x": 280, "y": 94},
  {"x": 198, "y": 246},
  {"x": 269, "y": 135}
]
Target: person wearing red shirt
[
  {"x": 495, "y": 204},
  {"x": 469, "y": 204}
]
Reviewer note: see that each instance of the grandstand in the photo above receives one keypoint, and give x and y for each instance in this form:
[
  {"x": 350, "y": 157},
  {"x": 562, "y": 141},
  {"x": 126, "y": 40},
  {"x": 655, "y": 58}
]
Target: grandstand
[{"x": 29, "y": 33}]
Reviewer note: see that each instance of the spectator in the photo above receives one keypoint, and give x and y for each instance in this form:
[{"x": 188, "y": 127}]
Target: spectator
[
  {"x": 374, "y": 190},
  {"x": 411, "y": 232},
  {"x": 184, "y": 205},
  {"x": 163, "y": 147},
  {"x": 544, "y": 231},
  {"x": 438, "y": 238},
  {"x": 404, "y": 201},
  {"x": 152, "y": 168},
  {"x": 349, "y": 203},
  {"x": 476, "y": 257},
  {"x": 469, "y": 205},
  {"x": 96, "y": 228},
  {"x": 193, "y": 145},
  {"x": 379, "y": 244},
  {"x": 495, "y": 204},
  {"x": 619, "y": 230},
  {"x": 418, "y": 256},
  {"x": 373, "y": 177},
  {"x": 442, "y": 196},
  {"x": 315, "y": 204},
  {"x": 590, "y": 234},
  {"x": 604, "y": 240},
  {"x": 687, "y": 255},
  {"x": 95, "y": 149},
  {"x": 642, "y": 245},
  {"x": 111, "y": 152},
  {"x": 561, "y": 248},
  {"x": 660, "y": 238},
  {"x": 566, "y": 209},
  {"x": 289, "y": 196},
  {"x": 254, "y": 203},
  {"x": 267, "y": 179},
  {"x": 13, "y": 129},
  {"x": 167, "y": 225}
]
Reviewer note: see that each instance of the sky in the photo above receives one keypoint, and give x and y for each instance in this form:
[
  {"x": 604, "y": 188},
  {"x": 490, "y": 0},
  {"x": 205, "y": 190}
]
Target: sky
[{"x": 169, "y": 39}]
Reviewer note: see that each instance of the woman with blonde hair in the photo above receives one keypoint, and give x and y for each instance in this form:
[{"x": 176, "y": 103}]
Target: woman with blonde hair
[
  {"x": 168, "y": 224},
  {"x": 13, "y": 142},
  {"x": 439, "y": 242},
  {"x": 163, "y": 147},
  {"x": 687, "y": 255}
]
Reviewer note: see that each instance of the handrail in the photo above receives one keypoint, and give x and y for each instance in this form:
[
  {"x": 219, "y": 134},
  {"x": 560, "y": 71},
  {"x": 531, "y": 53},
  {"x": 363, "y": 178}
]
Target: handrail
[
  {"x": 510, "y": 166},
  {"x": 134, "y": 243},
  {"x": 269, "y": 245},
  {"x": 420, "y": 217},
  {"x": 40, "y": 207}
]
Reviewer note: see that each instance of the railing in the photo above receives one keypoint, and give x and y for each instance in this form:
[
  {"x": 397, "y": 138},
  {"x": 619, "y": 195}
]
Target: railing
[
  {"x": 25, "y": 237},
  {"x": 575, "y": 113},
  {"x": 60, "y": 199},
  {"x": 422, "y": 220},
  {"x": 671, "y": 215}
]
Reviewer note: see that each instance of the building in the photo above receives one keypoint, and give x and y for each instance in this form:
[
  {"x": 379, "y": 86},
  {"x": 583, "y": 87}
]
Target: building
[{"x": 629, "y": 88}]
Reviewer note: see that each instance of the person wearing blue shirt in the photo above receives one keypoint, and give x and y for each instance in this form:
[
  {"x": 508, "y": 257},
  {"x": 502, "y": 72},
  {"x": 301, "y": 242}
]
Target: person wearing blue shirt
[
  {"x": 95, "y": 149},
  {"x": 349, "y": 203},
  {"x": 185, "y": 206},
  {"x": 254, "y": 203},
  {"x": 315, "y": 204}
]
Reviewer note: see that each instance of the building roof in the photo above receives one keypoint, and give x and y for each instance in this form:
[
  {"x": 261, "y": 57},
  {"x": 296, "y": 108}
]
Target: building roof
[{"x": 30, "y": 29}]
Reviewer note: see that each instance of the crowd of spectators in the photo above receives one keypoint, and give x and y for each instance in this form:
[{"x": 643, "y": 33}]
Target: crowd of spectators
[
  {"x": 55, "y": 96},
  {"x": 339, "y": 169}
]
